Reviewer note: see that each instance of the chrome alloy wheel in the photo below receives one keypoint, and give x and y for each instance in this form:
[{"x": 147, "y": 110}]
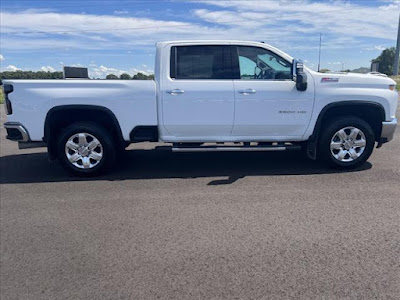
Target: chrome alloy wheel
[
  {"x": 348, "y": 144},
  {"x": 83, "y": 150}
]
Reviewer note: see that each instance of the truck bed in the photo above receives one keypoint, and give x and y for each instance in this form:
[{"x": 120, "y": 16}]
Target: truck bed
[{"x": 133, "y": 101}]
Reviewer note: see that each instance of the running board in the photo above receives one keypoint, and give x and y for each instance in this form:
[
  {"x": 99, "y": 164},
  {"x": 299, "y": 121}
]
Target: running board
[{"x": 235, "y": 149}]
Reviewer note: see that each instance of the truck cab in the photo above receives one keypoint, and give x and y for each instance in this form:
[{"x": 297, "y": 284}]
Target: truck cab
[{"x": 230, "y": 92}]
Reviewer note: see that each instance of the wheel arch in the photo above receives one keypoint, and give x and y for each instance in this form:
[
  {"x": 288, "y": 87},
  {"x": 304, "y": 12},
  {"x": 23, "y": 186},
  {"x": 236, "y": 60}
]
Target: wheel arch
[
  {"x": 61, "y": 116},
  {"x": 371, "y": 112}
]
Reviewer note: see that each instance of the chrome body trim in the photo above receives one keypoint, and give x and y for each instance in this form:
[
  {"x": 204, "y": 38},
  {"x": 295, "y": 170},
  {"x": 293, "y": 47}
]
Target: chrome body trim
[
  {"x": 388, "y": 129},
  {"x": 20, "y": 128}
]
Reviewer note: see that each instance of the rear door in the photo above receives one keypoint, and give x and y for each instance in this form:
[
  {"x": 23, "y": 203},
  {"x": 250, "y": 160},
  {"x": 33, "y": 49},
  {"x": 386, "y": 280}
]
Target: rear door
[{"x": 197, "y": 94}]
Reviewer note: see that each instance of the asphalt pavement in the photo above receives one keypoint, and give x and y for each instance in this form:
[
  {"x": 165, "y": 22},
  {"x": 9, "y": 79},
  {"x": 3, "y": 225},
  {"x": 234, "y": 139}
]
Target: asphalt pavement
[{"x": 200, "y": 226}]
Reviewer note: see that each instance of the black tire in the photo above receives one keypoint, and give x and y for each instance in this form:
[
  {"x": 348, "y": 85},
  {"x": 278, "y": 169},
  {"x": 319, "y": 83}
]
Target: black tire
[
  {"x": 106, "y": 143},
  {"x": 329, "y": 131}
]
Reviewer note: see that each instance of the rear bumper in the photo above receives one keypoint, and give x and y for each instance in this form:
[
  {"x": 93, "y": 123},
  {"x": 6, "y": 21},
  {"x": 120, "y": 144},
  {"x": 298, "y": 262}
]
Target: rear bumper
[
  {"x": 16, "y": 132},
  {"x": 388, "y": 129}
]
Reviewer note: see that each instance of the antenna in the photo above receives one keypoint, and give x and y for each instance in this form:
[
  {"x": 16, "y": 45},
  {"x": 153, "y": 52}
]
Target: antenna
[
  {"x": 396, "y": 59},
  {"x": 319, "y": 54}
]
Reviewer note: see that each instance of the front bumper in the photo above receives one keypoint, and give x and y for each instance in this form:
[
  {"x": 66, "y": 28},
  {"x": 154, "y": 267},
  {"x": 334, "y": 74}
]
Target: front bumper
[
  {"x": 16, "y": 132},
  {"x": 388, "y": 129}
]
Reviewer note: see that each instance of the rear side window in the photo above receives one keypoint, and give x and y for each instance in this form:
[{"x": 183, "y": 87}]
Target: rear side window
[{"x": 200, "y": 62}]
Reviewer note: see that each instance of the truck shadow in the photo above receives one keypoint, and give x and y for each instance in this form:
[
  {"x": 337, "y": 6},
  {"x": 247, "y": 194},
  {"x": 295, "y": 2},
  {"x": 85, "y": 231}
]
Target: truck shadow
[{"x": 152, "y": 164}]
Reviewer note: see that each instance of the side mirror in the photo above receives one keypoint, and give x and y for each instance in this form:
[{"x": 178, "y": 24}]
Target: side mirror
[{"x": 299, "y": 75}]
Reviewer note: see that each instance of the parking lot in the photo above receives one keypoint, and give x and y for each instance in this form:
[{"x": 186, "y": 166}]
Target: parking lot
[{"x": 200, "y": 226}]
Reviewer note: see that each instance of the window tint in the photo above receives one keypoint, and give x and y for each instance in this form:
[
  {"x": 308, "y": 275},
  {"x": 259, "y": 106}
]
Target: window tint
[
  {"x": 200, "y": 62},
  {"x": 258, "y": 63}
]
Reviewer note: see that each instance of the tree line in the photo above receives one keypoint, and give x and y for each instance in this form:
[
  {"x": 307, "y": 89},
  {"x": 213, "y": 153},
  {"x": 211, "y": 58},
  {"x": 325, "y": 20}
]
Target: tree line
[
  {"x": 386, "y": 61},
  {"x": 19, "y": 74},
  {"x": 125, "y": 76}
]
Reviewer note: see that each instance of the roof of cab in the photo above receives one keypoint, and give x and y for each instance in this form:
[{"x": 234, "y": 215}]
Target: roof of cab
[{"x": 225, "y": 42}]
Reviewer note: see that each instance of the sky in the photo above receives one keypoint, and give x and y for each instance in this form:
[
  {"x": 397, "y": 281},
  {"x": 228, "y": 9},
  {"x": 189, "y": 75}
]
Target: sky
[{"x": 119, "y": 36}]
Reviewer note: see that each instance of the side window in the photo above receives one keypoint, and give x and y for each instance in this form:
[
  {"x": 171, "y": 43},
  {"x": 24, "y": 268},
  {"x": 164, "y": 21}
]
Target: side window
[
  {"x": 200, "y": 62},
  {"x": 258, "y": 63}
]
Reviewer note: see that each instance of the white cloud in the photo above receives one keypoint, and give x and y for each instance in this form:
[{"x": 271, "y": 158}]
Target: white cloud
[
  {"x": 379, "y": 47},
  {"x": 47, "y": 69},
  {"x": 11, "y": 68},
  {"x": 120, "y": 12},
  {"x": 1, "y": 57},
  {"x": 15, "y": 42},
  {"x": 376, "y": 48},
  {"x": 234, "y": 18},
  {"x": 286, "y": 24},
  {"x": 38, "y": 23},
  {"x": 102, "y": 71},
  {"x": 338, "y": 17},
  {"x": 31, "y": 31},
  {"x": 15, "y": 68}
]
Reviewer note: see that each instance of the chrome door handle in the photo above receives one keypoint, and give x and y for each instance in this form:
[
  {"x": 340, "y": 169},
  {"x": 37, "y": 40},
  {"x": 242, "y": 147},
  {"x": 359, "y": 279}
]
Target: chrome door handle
[
  {"x": 247, "y": 91},
  {"x": 175, "y": 91}
]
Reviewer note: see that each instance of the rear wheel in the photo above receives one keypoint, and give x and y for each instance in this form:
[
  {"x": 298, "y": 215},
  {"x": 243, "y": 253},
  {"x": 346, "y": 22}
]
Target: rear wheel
[
  {"x": 85, "y": 149},
  {"x": 347, "y": 143}
]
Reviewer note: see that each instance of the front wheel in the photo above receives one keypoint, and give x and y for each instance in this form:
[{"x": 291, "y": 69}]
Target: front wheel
[
  {"x": 85, "y": 149},
  {"x": 347, "y": 142}
]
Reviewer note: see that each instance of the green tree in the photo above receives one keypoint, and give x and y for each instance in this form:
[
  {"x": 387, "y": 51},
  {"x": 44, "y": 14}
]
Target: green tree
[
  {"x": 19, "y": 74},
  {"x": 111, "y": 76},
  {"x": 386, "y": 61},
  {"x": 141, "y": 76},
  {"x": 362, "y": 70},
  {"x": 324, "y": 71},
  {"x": 125, "y": 76}
]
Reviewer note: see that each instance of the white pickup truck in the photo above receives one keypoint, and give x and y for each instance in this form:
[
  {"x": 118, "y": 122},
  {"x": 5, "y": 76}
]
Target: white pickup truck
[{"x": 206, "y": 96}]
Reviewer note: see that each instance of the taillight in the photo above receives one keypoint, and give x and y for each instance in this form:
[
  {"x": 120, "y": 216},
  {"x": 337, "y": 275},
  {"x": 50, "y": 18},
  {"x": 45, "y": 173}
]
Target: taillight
[
  {"x": 392, "y": 87},
  {"x": 8, "y": 88}
]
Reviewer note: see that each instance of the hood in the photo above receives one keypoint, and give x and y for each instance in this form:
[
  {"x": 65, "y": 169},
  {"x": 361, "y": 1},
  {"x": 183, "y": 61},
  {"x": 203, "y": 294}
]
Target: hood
[{"x": 354, "y": 79}]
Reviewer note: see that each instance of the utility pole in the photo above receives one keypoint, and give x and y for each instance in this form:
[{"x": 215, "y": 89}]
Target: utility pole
[
  {"x": 319, "y": 55},
  {"x": 396, "y": 58}
]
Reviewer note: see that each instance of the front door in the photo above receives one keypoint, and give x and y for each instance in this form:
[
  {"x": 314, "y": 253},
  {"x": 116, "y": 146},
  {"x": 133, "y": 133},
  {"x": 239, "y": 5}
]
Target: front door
[
  {"x": 267, "y": 103},
  {"x": 198, "y": 96}
]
